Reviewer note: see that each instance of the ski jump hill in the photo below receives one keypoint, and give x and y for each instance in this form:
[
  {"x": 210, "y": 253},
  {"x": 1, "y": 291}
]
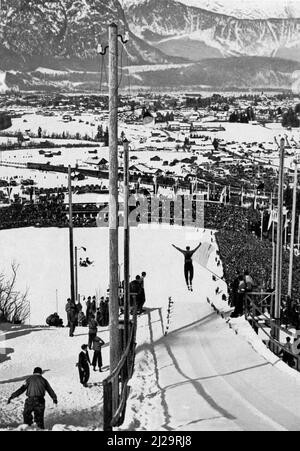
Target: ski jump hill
[{"x": 201, "y": 375}]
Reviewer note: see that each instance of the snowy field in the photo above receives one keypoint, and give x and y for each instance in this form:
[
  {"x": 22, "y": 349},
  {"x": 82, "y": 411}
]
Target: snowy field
[{"x": 43, "y": 259}]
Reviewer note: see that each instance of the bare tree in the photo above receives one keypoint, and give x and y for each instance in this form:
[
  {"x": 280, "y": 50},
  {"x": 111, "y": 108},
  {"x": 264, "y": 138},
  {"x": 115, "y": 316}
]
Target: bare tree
[{"x": 14, "y": 305}]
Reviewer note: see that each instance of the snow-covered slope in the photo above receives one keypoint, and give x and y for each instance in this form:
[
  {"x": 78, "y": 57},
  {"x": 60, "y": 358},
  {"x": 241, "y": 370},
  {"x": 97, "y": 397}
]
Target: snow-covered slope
[{"x": 254, "y": 9}]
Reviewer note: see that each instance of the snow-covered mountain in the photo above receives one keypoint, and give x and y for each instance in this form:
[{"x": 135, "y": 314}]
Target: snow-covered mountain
[
  {"x": 64, "y": 33},
  {"x": 250, "y": 9},
  {"x": 182, "y": 30},
  {"x": 242, "y": 9}
]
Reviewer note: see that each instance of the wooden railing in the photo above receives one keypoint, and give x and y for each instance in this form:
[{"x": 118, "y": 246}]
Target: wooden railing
[
  {"x": 115, "y": 387},
  {"x": 259, "y": 320}
]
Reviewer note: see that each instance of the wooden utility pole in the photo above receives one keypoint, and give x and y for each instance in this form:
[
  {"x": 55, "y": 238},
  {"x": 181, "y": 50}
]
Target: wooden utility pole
[
  {"x": 126, "y": 243},
  {"x": 290, "y": 284},
  {"x": 273, "y": 255},
  {"x": 71, "y": 239},
  {"x": 298, "y": 244},
  {"x": 277, "y": 309},
  {"x": 76, "y": 273},
  {"x": 115, "y": 351}
]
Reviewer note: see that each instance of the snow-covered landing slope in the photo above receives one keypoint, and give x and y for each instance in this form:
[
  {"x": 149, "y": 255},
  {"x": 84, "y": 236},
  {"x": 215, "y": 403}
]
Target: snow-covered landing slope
[{"x": 202, "y": 376}]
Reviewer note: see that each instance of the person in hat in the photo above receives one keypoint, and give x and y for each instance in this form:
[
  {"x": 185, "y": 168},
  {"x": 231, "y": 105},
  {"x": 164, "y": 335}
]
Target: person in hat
[
  {"x": 84, "y": 365},
  {"x": 35, "y": 387}
]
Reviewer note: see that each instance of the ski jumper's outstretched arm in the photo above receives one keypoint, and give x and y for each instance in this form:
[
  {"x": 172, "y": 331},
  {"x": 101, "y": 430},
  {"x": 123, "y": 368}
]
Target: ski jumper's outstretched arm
[
  {"x": 178, "y": 248},
  {"x": 195, "y": 250}
]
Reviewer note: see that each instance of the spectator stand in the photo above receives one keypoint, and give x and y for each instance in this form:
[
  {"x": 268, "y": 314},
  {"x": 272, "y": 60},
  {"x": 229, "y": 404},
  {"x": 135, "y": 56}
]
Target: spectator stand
[{"x": 257, "y": 307}]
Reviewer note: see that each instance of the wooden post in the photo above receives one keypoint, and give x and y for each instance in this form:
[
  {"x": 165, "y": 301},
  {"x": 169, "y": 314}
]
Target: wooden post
[
  {"x": 273, "y": 256},
  {"x": 290, "y": 284},
  {"x": 298, "y": 232},
  {"x": 71, "y": 239},
  {"x": 113, "y": 203},
  {"x": 262, "y": 226},
  {"x": 126, "y": 243},
  {"x": 277, "y": 312},
  {"x": 76, "y": 273}
]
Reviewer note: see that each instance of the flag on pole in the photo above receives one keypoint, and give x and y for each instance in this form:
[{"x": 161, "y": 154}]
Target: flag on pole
[
  {"x": 273, "y": 218},
  {"x": 242, "y": 198},
  {"x": 203, "y": 254},
  {"x": 223, "y": 195},
  {"x": 255, "y": 203}
]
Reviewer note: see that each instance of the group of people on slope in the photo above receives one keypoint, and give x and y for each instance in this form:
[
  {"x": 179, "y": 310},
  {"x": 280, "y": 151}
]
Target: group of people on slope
[
  {"x": 137, "y": 293},
  {"x": 241, "y": 284},
  {"x": 77, "y": 317},
  {"x": 85, "y": 263}
]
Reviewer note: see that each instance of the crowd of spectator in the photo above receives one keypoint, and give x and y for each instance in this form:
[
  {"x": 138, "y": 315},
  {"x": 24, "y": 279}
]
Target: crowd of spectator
[{"x": 240, "y": 252}]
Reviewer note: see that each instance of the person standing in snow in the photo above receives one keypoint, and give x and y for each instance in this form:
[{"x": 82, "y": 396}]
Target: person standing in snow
[
  {"x": 88, "y": 308},
  {"x": 35, "y": 387},
  {"x": 93, "y": 329},
  {"x": 68, "y": 309},
  {"x": 94, "y": 305},
  {"x": 188, "y": 264},
  {"x": 135, "y": 291},
  {"x": 142, "y": 297},
  {"x": 240, "y": 300},
  {"x": 97, "y": 358},
  {"x": 84, "y": 365},
  {"x": 73, "y": 317}
]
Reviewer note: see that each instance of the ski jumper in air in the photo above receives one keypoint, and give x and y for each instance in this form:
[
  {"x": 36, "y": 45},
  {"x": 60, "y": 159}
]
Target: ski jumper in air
[{"x": 188, "y": 264}]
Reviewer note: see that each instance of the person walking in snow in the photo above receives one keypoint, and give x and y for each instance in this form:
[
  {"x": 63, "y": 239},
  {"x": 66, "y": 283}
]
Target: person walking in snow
[
  {"x": 35, "y": 387},
  {"x": 84, "y": 365},
  {"x": 188, "y": 264},
  {"x": 97, "y": 358}
]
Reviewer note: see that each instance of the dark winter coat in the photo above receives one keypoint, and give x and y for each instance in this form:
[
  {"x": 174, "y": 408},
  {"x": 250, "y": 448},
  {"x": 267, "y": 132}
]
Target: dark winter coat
[
  {"x": 84, "y": 359},
  {"x": 97, "y": 344},
  {"x": 35, "y": 386},
  {"x": 93, "y": 326}
]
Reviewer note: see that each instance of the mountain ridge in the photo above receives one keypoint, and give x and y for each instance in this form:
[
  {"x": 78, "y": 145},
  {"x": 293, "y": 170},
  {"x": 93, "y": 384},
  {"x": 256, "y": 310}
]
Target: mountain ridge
[{"x": 171, "y": 22}]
